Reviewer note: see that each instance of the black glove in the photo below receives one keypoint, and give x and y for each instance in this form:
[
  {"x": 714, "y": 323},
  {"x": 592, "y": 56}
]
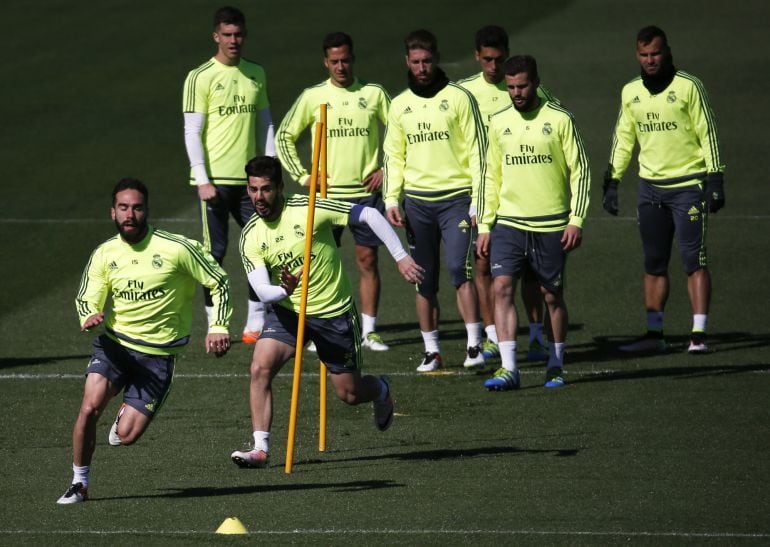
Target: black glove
[
  {"x": 715, "y": 192},
  {"x": 610, "y": 196}
]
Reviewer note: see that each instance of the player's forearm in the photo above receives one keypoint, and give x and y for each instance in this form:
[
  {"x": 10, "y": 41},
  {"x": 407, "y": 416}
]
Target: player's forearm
[
  {"x": 259, "y": 279},
  {"x": 266, "y": 132},
  {"x": 193, "y": 127},
  {"x": 382, "y": 229}
]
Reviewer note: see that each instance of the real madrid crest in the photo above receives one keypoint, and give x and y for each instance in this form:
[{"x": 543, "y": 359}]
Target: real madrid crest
[
  {"x": 157, "y": 262},
  {"x": 547, "y": 129},
  {"x": 298, "y": 231},
  {"x": 444, "y": 106},
  {"x": 671, "y": 97},
  {"x": 362, "y": 104}
]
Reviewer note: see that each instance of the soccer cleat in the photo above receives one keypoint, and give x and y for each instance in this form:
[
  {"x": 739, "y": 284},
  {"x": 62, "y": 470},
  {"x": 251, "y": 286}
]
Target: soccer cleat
[
  {"x": 554, "y": 377},
  {"x": 430, "y": 362},
  {"x": 698, "y": 344},
  {"x": 250, "y": 336},
  {"x": 113, "y": 438},
  {"x": 474, "y": 358},
  {"x": 489, "y": 350},
  {"x": 503, "y": 380},
  {"x": 537, "y": 351},
  {"x": 374, "y": 342},
  {"x": 652, "y": 342},
  {"x": 383, "y": 410},
  {"x": 76, "y": 493},
  {"x": 250, "y": 459}
]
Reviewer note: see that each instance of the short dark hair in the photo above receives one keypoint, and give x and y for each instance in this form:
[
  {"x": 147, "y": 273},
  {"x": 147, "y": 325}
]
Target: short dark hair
[
  {"x": 267, "y": 167},
  {"x": 131, "y": 184},
  {"x": 492, "y": 36},
  {"x": 522, "y": 63},
  {"x": 337, "y": 39},
  {"x": 421, "y": 39},
  {"x": 229, "y": 15},
  {"x": 648, "y": 34}
]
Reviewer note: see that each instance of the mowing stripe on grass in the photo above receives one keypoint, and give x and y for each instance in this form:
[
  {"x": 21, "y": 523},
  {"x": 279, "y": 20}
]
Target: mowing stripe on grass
[{"x": 397, "y": 532}]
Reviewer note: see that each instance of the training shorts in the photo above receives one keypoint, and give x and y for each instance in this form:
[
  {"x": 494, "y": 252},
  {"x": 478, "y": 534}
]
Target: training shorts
[
  {"x": 513, "y": 250},
  {"x": 362, "y": 234}
]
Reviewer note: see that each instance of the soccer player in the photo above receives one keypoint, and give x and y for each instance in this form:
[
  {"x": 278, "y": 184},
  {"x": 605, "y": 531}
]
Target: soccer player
[
  {"x": 151, "y": 276},
  {"x": 273, "y": 242},
  {"x": 355, "y": 110},
  {"x": 531, "y": 207},
  {"x": 434, "y": 161},
  {"x": 489, "y": 89},
  {"x": 226, "y": 121},
  {"x": 681, "y": 171}
]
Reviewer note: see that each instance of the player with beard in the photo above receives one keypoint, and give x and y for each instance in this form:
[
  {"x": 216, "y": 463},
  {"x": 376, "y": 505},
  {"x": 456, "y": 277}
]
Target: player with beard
[
  {"x": 531, "y": 207},
  {"x": 150, "y": 276},
  {"x": 434, "y": 161},
  {"x": 273, "y": 244},
  {"x": 681, "y": 177}
]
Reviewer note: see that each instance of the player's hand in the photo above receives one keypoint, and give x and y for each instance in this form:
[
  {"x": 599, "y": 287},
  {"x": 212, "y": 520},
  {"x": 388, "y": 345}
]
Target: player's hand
[
  {"x": 715, "y": 192},
  {"x": 610, "y": 196},
  {"x": 373, "y": 182},
  {"x": 93, "y": 321},
  {"x": 410, "y": 270},
  {"x": 207, "y": 192},
  {"x": 289, "y": 281},
  {"x": 394, "y": 216},
  {"x": 571, "y": 238},
  {"x": 482, "y": 245},
  {"x": 218, "y": 344}
]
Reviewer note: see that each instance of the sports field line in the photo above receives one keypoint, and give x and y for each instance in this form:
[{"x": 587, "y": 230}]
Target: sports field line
[
  {"x": 195, "y": 220},
  {"x": 406, "y": 532}
]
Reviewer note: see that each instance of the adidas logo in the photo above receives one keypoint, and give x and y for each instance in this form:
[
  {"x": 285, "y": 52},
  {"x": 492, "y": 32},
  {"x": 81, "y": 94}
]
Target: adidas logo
[
  {"x": 463, "y": 225},
  {"x": 693, "y": 210},
  {"x": 113, "y": 265},
  {"x": 507, "y": 131},
  {"x": 408, "y": 110},
  {"x": 636, "y": 100},
  {"x": 219, "y": 87}
]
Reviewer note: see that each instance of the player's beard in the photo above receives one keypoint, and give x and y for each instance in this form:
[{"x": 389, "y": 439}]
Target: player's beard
[{"x": 132, "y": 232}]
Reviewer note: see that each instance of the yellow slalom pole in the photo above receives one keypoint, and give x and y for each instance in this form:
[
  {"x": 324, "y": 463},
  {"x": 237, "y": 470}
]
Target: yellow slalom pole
[
  {"x": 320, "y": 129},
  {"x": 322, "y": 371}
]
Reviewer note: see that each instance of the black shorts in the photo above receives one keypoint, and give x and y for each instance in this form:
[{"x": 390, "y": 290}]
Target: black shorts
[
  {"x": 667, "y": 212},
  {"x": 513, "y": 250},
  {"x": 362, "y": 234},
  {"x": 232, "y": 200},
  {"x": 145, "y": 379},
  {"x": 428, "y": 224},
  {"x": 337, "y": 339}
]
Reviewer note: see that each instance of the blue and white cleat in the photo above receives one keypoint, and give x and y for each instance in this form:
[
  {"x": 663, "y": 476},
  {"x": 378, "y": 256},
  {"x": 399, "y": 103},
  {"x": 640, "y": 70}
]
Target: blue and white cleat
[
  {"x": 554, "y": 377},
  {"x": 503, "y": 380}
]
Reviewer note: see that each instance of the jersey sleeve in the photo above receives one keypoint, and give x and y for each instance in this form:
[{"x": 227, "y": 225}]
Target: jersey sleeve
[
  {"x": 705, "y": 127},
  {"x": 94, "y": 287},
  {"x": 202, "y": 267},
  {"x": 300, "y": 115},
  {"x": 623, "y": 141},
  {"x": 472, "y": 126},
  {"x": 579, "y": 172},
  {"x": 394, "y": 160},
  {"x": 489, "y": 194},
  {"x": 195, "y": 94}
]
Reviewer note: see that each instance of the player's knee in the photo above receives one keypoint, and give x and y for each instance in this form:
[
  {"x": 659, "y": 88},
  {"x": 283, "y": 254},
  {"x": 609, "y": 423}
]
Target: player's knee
[
  {"x": 367, "y": 261},
  {"x": 656, "y": 265}
]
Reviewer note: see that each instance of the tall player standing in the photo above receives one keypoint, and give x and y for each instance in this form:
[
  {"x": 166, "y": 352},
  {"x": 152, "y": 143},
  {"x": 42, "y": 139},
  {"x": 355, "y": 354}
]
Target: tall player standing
[
  {"x": 355, "y": 111},
  {"x": 226, "y": 121}
]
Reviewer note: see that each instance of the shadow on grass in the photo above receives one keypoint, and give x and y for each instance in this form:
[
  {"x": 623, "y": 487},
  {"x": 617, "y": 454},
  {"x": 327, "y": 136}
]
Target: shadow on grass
[
  {"x": 605, "y": 348},
  {"x": 211, "y": 491},
  {"x": 10, "y": 362},
  {"x": 681, "y": 373}
]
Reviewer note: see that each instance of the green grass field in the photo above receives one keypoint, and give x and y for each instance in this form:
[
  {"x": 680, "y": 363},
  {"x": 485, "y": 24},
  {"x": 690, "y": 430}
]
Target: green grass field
[{"x": 669, "y": 449}]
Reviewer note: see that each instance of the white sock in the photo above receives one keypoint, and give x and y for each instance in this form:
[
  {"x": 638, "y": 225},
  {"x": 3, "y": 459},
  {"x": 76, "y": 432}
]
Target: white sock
[
  {"x": 430, "y": 339},
  {"x": 655, "y": 321},
  {"x": 368, "y": 323},
  {"x": 536, "y": 332},
  {"x": 699, "y": 322},
  {"x": 556, "y": 358},
  {"x": 262, "y": 440},
  {"x": 256, "y": 318},
  {"x": 491, "y": 331},
  {"x": 508, "y": 355},
  {"x": 474, "y": 334},
  {"x": 80, "y": 474}
]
